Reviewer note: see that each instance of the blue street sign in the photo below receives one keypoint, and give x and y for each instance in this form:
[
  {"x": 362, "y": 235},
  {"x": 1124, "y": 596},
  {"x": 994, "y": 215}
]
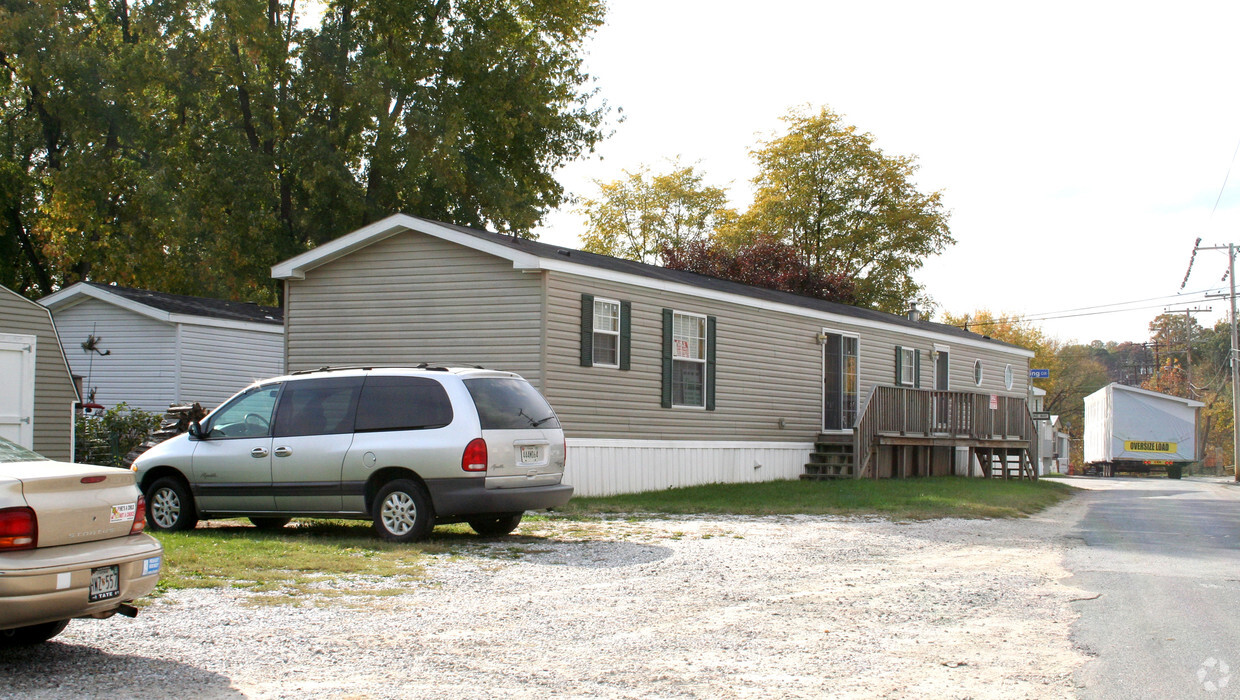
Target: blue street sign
[{"x": 1039, "y": 374}]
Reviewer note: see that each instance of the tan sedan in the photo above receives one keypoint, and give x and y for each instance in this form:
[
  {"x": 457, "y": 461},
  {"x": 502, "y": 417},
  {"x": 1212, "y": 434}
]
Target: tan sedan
[{"x": 71, "y": 545}]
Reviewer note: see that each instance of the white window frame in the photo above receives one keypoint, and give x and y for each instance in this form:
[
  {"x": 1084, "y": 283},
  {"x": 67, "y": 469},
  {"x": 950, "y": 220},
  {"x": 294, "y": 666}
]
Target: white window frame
[
  {"x": 599, "y": 331},
  {"x": 822, "y": 380},
  {"x": 1009, "y": 377},
  {"x": 978, "y": 372},
  {"x": 705, "y": 353},
  {"x": 908, "y": 366}
]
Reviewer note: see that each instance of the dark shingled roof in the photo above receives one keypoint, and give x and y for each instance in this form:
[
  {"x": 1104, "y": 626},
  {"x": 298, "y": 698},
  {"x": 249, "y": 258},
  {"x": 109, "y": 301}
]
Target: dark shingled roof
[
  {"x": 198, "y": 306},
  {"x": 606, "y": 262}
]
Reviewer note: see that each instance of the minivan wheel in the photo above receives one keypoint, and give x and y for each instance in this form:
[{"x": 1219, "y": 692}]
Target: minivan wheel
[
  {"x": 169, "y": 505},
  {"x": 32, "y": 634},
  {"x": 496, "y": 525},
  {"x": 269, "y": 523},
  {"x": 403, "y": 512}
]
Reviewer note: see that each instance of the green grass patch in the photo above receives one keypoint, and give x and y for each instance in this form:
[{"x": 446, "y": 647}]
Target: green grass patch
[
  {"x": 310, "y": 557},
  {"x": 897, "y": 499}
]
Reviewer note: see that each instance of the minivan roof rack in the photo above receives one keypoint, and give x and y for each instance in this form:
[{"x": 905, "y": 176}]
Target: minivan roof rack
[{"x": 330, "y": 369}]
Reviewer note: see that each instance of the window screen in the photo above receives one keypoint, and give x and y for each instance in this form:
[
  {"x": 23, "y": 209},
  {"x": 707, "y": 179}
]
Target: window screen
[
  {"x": 510, "y": 404},
  {"x": 403, "y": 403}
]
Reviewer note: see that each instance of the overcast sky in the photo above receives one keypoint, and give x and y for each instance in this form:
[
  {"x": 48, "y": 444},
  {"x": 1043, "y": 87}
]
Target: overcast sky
[{"x": 1080, "y": 146}]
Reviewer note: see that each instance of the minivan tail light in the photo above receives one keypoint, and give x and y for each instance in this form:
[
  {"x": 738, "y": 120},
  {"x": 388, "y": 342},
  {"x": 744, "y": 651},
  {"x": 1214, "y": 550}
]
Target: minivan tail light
[
  {"x": 19, "y": 529},
  {"x": 139, "y": 517},
  {"x": 475, "y": 457}
]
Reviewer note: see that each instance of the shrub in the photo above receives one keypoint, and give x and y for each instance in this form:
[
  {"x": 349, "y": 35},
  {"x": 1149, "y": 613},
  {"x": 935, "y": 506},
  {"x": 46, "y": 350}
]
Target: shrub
[{"x": 106, "y": 438}]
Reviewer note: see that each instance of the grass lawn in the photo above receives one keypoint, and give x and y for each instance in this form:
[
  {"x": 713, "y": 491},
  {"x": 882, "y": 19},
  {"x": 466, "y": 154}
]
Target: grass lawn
[
  {"x": 312, "y": 556},
  {"x": 901, "y": 499}
]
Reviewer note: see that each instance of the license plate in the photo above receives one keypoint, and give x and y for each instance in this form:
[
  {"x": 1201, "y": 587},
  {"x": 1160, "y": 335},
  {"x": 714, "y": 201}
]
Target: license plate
[
  {"x": 530, "y": 454},
  {"x": 105, "y": 582}
]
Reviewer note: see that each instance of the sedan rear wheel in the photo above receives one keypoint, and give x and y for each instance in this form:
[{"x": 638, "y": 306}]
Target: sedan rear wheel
[
  {"x": 169, "y": 505},
  {"x": 402, "y": 512},
  {"x": 33, "y": 634}
]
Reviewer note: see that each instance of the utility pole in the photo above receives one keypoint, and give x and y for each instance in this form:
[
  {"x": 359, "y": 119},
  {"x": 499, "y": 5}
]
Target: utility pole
[{"x": 1235, "y": 343}]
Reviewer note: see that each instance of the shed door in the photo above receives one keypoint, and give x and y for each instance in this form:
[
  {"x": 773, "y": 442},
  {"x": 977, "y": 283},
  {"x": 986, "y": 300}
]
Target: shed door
[{"x": 17, "y": 388}]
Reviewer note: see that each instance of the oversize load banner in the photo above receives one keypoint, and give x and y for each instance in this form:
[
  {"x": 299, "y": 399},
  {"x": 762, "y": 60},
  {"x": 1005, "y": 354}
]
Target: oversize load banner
[{"x": 1139, "y": 446}]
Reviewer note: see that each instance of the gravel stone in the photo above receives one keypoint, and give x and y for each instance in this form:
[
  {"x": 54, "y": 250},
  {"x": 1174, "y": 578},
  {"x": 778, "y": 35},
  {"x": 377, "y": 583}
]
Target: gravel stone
[{"x": 693, "y": 607}]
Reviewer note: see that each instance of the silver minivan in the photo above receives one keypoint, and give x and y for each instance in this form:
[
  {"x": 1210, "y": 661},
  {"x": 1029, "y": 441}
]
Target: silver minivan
[{"x": 407, "y": 448}]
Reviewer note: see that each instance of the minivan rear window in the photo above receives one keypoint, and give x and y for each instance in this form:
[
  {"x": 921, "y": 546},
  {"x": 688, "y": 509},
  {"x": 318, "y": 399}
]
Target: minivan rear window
[
  {"x": 510, "y": 404},
  {"x": 403, "y": 403}
]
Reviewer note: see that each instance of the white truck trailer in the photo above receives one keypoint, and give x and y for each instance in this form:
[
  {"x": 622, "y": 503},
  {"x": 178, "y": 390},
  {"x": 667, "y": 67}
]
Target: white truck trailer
[{"x": 1134, "y": 430}]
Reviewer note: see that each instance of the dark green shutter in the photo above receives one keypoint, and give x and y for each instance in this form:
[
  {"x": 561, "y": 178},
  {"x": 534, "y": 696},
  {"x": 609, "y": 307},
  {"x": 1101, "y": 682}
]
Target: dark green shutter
[
  {"x": 710, "y": 363},
  {"x": 667, "y": 358},
  {"x": 587, "y": 330},
  {"x": 626, "y": 333},
  {"x": 917, "y": 368},
  {"x": 899, "y": 365}
]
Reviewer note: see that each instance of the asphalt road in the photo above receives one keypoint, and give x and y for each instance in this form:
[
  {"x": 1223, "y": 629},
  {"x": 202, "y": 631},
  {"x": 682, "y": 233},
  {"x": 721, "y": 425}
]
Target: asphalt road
[{"x": 1163, "y": 557}]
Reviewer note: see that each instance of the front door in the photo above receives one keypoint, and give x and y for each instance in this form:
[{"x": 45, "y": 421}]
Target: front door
[
  {"x": 839, "y": 381},
  {"x": 232, "y": 461},
  {"x": 942, "y": 402}
]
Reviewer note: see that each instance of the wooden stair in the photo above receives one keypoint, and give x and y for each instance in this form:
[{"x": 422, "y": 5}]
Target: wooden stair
[{"x": 832, "y": 458}]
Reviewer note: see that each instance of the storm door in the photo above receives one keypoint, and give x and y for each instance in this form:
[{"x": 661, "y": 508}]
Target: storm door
[{"x": 839, "y": 381}]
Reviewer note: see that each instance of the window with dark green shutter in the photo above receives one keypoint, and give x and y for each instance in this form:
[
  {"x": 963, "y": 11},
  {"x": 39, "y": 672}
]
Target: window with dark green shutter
[
  {"x": 710, "y": 363},
  {"x": 605, "y": 332},
  {"x": 906, "y": 366},
  {"x": 686, "y": 365}
]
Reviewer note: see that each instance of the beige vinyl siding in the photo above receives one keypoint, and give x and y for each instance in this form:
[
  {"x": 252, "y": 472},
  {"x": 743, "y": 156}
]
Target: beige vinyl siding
[
  {"x": 54, "y": 394},
  {"x": 769, "y": 367},
  {"x": 218, "y": 362},
  {"x": 414, "y": 298},
  {"x": 141, "y": 369}
]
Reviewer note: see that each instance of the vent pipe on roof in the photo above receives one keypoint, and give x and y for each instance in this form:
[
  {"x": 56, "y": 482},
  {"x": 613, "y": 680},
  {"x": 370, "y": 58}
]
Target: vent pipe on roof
[{"x": 913, "y": 314}]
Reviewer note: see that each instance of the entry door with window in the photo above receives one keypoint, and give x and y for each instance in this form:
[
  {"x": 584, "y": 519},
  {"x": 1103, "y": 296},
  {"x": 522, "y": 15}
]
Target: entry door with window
[
  {"x": 942, "y": 403},
  {"x": 17, "y": 388},
  {"x": 839, "y": 381}
]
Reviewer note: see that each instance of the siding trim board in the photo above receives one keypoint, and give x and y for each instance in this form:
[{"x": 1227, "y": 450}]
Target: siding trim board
[{"x": 295, "y": 269}]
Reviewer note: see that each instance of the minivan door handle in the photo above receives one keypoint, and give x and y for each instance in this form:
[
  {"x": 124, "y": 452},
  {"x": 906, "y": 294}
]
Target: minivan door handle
[
  {"x": 258, "y": 452},
  {"x": 283, "y": 452}
]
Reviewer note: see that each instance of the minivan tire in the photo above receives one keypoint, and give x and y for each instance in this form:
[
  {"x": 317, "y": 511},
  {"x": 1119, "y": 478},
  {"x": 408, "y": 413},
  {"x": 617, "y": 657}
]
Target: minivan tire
[
  {"x": 169, "y": 505},
  {"x": 402, "y": 512},
  {"x": 496, "y": 525}
]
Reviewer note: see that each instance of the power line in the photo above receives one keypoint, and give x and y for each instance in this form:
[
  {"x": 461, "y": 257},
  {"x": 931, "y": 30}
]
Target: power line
[{"x": 1055, "y": 316}]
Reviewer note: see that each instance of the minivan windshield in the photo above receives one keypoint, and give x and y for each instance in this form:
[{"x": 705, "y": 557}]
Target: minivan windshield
[
  {"x": 10, "y": 452},
  {"x": 510, "y": 404}
]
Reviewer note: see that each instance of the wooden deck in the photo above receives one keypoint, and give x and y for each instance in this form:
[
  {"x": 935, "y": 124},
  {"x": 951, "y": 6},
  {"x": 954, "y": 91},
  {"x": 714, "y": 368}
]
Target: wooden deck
[{"x": 997, "y": 430}]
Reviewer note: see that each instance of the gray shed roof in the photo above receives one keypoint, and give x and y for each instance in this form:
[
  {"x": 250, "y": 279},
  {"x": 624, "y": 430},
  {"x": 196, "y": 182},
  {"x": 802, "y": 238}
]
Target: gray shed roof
[{"x": 197, "y": 306}]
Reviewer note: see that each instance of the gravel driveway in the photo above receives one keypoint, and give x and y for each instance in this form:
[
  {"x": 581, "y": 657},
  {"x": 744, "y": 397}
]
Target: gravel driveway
[{"x": 691, "y": 607}]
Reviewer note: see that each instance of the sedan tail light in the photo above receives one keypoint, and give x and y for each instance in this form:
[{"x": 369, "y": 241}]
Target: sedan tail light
[
  {"x": 475, "y": 457},
  {"x": 19, "y": 529},
  {"x": 139, "y": 517}
]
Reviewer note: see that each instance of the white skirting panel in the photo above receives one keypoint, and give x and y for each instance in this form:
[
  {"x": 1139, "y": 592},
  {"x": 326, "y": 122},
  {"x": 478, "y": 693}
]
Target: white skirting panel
[{"x": 598, "y": 467}]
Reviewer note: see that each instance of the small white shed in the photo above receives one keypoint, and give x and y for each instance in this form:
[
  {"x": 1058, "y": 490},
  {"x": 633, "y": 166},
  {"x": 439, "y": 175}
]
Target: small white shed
[{"x": 151, "y": 349}]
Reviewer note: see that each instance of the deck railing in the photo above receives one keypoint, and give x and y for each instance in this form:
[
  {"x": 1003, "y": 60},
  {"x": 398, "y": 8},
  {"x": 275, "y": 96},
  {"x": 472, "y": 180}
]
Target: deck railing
[{"x": 902, "y": 411}]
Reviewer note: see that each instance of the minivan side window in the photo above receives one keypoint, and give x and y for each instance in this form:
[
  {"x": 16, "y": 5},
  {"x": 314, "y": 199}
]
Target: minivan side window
[
  {"x": 318, "y": 407},
  {"x": 249, "y": 415},
  {"x": 510, "y": 404},
  {"x": 403, "y": 403}
]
